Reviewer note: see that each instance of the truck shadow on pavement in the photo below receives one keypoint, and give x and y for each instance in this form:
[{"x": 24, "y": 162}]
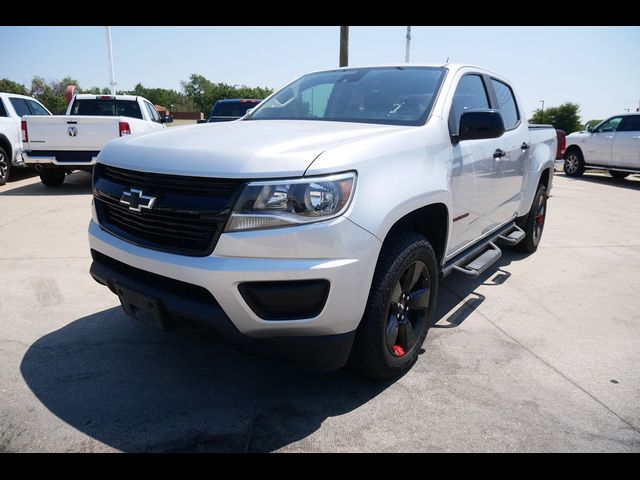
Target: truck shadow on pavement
[
  {"x": 78, "y": 183},
  {"x": 632, "y": 182},
  {"x": 141, "y": 390}
]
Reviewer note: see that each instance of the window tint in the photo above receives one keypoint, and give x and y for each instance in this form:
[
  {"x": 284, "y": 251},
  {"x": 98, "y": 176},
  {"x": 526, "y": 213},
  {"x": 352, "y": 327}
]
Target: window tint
[
  {"x": 3, "y": 112},
  {"x": 630, "y": 124},
  {"x": 610, "y": 125},
  {"x": 36, "y": 109},
  {"x": 506, "y": 103},
  {"x": 469, "y": 95},
  {"x": 107, "y": 108},
  {"x": 232, "y": 109},
  {"x": 20, "y": 106}
]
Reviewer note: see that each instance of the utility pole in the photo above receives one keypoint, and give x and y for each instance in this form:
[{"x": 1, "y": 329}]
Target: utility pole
[
  {"x": 112, "y": 77},
  {"x": 408, "y": 45},
  {"x": 344, "y": 46},
  {"x": 542, "y": 110}
]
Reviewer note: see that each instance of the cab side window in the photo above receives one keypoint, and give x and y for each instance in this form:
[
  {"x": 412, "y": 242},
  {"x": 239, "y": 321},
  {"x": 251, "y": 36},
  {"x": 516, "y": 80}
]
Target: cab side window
[
  {"x": 506, "y": 103},
  {"x": 3, "y": 112},
  {"x": 153, "y": 113},
  {"x": 470, "y": 94},
  {"x": 630, "y": 124},
  {"x": 610, "y": 125}
]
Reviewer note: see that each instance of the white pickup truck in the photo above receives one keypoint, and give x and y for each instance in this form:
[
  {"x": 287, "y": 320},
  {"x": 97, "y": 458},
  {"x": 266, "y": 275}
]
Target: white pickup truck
[
  {"x": 317, "y": 227},
  {"x": 59, "y": 144},
  {"x": 12, "y": 108},
  {"x": 613, "y": 145}
]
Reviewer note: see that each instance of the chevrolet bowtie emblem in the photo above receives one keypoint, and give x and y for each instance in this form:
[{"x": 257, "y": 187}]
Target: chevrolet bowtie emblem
[{"x": 136, "y": 201}]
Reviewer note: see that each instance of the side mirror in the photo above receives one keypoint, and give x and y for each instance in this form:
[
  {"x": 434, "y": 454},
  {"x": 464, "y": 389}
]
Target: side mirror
[
  {"x": 589, "y": 128},
  {"x": 249, "y": 110},
  {"x": 478, "y": 124},
  {"x": 202, "y": 121},
  {"x": 166, "y": 119}
]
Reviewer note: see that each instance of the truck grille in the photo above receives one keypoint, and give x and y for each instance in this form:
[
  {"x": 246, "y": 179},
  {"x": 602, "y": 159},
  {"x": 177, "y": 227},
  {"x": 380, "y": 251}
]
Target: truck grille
[{"x": 188, "y": 214}]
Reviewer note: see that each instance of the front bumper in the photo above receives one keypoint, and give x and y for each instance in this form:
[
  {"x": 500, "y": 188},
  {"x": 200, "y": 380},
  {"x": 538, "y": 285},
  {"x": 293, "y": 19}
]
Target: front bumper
[{"x": 337, "y": 251}]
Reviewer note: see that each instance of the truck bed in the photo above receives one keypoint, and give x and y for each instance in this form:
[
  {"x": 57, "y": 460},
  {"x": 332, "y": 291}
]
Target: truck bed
[{"x": 70, "y": 133}]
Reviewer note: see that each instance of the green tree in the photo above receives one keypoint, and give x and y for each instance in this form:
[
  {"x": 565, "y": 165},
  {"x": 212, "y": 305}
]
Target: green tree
[
  {"x": 564, "y": 117},
  {"x": 52, "y": 93},
  {"x": 204, "y": 93},
  {"x": 9, "y": 86}
]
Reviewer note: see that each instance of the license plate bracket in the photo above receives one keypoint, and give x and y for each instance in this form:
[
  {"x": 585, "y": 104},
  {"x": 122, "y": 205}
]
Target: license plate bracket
[{"x": 144, "y": 308}]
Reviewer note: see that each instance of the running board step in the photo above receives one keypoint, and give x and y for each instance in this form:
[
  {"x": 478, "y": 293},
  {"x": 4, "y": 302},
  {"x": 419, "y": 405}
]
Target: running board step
[
  {"x": 483, "y": 261},
  {"x": 514, "y": 237}
]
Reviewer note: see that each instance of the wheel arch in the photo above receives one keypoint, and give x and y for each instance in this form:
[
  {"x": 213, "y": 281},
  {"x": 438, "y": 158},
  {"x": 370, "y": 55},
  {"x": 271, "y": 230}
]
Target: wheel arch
[
  {"x": 573, "y": 148},
  {"x": 6, "y": 145},
  {"x": 432, "y": 221}
]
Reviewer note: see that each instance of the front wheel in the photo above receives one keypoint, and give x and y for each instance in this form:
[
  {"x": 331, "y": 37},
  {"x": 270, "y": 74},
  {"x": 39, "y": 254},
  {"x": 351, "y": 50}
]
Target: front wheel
[
  {"x": 618, "y": 175},
  {"x": 573, "y": 163},
  {"x": 52, "y": 177},
  {"x": 399, "y": 309},
  {"x": 533, "y": 222}
]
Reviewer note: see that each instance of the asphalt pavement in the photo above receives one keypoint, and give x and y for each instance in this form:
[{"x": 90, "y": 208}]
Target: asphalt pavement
[{"x": 540, "y": 353}]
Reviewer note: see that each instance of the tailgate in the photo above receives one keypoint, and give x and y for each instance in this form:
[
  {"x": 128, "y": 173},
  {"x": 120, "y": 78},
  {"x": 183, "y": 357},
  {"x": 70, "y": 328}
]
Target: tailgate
[{"x": 70, "y": 132}]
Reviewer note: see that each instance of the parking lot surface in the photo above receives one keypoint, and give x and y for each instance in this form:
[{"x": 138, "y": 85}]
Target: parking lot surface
[{"x": 540, "y": 353}]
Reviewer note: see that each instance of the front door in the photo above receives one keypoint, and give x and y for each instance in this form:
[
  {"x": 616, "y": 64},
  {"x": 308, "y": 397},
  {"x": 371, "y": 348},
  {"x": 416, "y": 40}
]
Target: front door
[
  {"x": 599, "y": 146},
  {"x": 626, "y": 144},
  {"x": 473, "y": 168}
]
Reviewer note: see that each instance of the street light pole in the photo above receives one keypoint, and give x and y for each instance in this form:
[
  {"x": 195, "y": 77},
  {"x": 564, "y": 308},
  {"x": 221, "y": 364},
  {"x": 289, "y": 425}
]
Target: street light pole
[
  {"x": 408, "y": 45},
  {"x": 112, "y": 76},
  {"x": 542, "y": 110}
]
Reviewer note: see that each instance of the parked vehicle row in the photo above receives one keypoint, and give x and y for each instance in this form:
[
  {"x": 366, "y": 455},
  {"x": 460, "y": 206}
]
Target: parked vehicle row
[
  {"x": 612, "y": 145},
  {"x": 12, "y": 108},
  {"x": 318, "y": 226}
]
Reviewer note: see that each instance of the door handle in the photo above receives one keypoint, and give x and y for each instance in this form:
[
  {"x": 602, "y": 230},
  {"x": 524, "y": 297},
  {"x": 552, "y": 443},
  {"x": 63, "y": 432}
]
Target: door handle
[
  {"x": 637, "y": 137},
  {"x": 524, "y": 146},
  {"x": 499, "y": 153}
]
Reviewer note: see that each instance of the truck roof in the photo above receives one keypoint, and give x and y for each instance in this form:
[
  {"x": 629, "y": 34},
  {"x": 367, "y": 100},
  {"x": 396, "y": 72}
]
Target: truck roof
[
  {"x": 17, "y": 95},
  {"x": 91, "y": 96}
]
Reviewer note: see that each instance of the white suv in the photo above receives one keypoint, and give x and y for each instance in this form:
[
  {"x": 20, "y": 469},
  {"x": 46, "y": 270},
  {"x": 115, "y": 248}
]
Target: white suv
[{"x": 612, "y": 145}]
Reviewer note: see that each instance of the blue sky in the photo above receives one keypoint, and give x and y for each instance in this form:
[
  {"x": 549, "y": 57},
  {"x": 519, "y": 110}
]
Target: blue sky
[{"x": 597, "y": 67}]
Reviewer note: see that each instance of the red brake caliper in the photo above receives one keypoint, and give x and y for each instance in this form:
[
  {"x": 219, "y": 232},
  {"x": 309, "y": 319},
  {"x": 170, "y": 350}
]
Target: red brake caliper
[
  {"x": 540, "y": 219},
  {"x": 398, "y": 350}
]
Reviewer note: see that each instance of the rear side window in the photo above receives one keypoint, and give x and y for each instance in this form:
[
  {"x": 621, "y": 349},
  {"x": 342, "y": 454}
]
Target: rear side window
[
  {"x": 3, "y": 112},
  {"x": 506, "y": 103},
  {"x": 630, "y": 124},
  {"x": 470, "y": 94},
  {"x": 20, "y": 106},
  {"x": 153, "y": 113},
  {"x": 36, "y": 108},
  {"x": 106, "y": 108}
]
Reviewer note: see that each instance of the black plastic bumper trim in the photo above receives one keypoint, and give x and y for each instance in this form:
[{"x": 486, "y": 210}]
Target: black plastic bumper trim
[
  {"x": 185, "y": 303},
  {"x": 285, "y": 300}
]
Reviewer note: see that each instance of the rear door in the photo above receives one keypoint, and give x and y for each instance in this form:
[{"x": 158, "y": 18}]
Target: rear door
[
  {"x": 626, "y": 144},
  {"x": 510, "y": 168}
]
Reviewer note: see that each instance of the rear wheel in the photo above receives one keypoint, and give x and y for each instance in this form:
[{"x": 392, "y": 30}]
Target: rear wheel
[
  {"x": 5, "y": 166},
  {"x": 533, "y": 222},
  {"x": 399, "y": 309},
  {"x": 573, "y": 163},
  {"x": 618, "y": 175},
  {"x": 52, "y": 177}
]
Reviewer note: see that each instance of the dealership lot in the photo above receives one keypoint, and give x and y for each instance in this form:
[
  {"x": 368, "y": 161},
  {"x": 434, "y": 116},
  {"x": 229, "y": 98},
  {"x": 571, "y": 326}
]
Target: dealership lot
[{"x": 538, "y": 354}]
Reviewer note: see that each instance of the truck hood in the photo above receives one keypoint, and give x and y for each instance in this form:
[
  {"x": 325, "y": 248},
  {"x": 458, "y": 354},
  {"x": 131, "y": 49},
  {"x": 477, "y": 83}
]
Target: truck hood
[{"x": 240, "y": 149}]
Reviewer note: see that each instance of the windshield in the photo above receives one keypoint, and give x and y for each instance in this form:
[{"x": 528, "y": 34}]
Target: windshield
[
  {"x": 232, "y": 109},
  {"x": 388, "y": 95},
  {"x": 107, "y": 108}
]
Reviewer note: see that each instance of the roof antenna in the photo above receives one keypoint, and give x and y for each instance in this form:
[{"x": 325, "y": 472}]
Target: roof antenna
[{"x": 447, "y": 60}]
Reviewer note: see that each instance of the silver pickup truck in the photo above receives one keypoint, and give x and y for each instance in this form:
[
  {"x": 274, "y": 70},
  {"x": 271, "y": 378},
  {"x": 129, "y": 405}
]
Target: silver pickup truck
[{"x": 318, "y": 226}]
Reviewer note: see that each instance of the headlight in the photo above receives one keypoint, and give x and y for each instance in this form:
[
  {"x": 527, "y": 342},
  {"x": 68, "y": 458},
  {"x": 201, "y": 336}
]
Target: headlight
[{"x": 280, "y": 203}]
